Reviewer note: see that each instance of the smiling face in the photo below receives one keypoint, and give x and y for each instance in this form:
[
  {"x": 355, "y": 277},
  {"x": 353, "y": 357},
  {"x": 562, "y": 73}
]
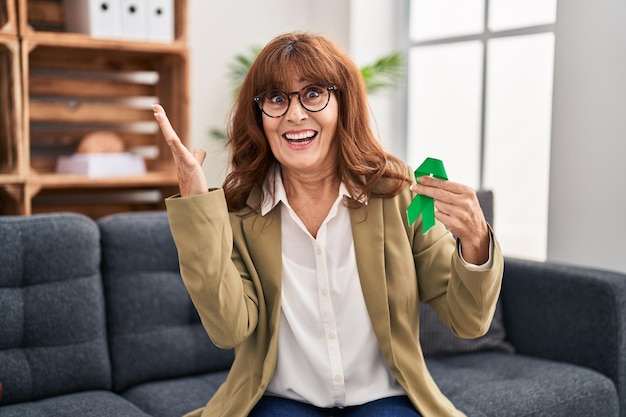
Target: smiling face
[{"x": 303, "y": 142}]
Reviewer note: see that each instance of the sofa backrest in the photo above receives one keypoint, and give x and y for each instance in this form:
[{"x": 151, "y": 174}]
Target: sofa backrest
[
  {"x": 154, "y": 329},
  {"x": 52, "y": 314}
]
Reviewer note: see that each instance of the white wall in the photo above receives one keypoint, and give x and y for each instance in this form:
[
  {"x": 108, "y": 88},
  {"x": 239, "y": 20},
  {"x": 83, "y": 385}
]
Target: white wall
[
  {"x": 586, "y": 221},
  {"x": 220, "y": 30},
  {"x": 376, "y": 29}
]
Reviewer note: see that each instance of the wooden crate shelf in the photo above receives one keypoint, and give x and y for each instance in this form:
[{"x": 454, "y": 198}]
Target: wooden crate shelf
[{"x": 68, "y": 85}]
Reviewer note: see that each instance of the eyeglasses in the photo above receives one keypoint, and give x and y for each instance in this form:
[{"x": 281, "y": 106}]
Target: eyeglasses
[{"x": 313, "y": 98}]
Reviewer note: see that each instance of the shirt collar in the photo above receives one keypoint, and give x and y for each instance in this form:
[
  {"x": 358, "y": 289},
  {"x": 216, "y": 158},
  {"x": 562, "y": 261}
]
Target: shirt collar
[{"x": 274, "y": 190}]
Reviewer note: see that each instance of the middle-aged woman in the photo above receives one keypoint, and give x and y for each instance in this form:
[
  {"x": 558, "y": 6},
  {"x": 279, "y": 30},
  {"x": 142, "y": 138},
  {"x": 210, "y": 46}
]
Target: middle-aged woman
[{"x": 304, "y": 260}]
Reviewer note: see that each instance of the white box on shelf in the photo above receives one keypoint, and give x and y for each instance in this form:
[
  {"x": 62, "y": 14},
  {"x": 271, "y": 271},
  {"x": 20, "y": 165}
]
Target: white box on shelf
[
  {"x": 134, "y": 19},
  {"x": 160, "y": 20},
  {"x": 102, "y": 164},
  {"x": 97, "y": 18}
]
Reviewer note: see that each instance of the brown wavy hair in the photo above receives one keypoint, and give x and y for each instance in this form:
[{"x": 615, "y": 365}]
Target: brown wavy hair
[{"x": 363, "y": 165}]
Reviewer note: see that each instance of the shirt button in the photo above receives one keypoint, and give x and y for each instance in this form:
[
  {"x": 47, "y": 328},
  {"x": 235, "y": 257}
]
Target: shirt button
[
  {"x": 318, "y": 250},
  {"x": 324, "y": 291},
  {"x": 331, "y": 335},
  {"x": 338, "y": 378}
]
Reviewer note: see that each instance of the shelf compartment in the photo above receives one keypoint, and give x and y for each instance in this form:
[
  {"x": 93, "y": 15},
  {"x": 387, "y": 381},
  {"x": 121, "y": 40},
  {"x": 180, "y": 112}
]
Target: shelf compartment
[
  {"x": 72, "y": 91},
  {"x": 48, "y": 16},
  {"x": 8, "y": 17},
  {"x": 11, "y": 143},
  {"x": 97, "y": 197},
  {"x": 96, "y": 203}
]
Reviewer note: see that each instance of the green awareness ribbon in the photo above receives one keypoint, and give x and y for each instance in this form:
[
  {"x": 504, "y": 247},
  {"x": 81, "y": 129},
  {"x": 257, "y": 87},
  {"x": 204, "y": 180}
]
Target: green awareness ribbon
[{"x": 426, "y": 205}]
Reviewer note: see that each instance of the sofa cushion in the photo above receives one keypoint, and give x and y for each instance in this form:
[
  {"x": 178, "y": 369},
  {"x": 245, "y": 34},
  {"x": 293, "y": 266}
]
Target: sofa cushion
[
  {"x": 499, "y": 384},
  {"x": 175, "y": 397},
  {"x": 84, "y": 404},
  {"x": 52, "y": 331},
  {"x": 438, "y": 340},
  {"x": 154, "y": 329}
]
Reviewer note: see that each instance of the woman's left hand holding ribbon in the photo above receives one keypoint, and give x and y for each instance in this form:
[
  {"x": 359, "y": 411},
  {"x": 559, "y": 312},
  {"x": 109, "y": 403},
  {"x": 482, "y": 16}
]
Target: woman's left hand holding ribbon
[{"x": 457, "y": 207}]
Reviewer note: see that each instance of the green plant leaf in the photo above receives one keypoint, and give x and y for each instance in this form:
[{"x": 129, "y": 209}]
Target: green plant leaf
[
  {"x": 240, "y": 66},
  {"x": 386, "y": 72},
  {"x": 218, "y": 134}
]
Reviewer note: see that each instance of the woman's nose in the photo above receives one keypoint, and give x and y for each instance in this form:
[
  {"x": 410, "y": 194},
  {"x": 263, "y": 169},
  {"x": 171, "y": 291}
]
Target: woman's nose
[{"x": 295, "y": 111}]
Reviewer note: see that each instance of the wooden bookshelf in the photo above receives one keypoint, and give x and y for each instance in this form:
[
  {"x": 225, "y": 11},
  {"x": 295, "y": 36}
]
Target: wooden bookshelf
[{"x": 66, "y": 85}]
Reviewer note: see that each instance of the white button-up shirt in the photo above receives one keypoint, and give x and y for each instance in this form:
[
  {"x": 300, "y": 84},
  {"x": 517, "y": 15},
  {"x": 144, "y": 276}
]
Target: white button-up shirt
[{"x": 328, "y": 354}]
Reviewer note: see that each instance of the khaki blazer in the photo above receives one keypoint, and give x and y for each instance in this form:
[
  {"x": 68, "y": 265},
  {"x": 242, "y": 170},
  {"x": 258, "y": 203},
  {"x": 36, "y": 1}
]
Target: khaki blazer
[{"x": 231, "y": 267}]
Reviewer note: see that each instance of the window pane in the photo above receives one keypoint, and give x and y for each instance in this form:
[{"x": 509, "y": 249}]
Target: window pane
[
  {"x": 431, "y": 19},
  {"x": 444, "y": 106},
  {"x": 518, "y": 124},
  {"x": 511, "y": 14}
]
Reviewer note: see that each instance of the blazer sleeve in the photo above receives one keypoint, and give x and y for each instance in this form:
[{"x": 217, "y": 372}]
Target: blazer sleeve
[{"x": 211, "y": 269}]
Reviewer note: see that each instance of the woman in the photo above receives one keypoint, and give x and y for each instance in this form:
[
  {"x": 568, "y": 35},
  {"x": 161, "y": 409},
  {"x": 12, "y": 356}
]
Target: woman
[{"x": 304, "y": 261}]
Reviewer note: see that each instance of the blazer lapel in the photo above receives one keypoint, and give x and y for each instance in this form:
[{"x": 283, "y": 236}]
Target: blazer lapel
[
  {"x": 262, "y": 234},
  {"x": 368, "y": 232}
]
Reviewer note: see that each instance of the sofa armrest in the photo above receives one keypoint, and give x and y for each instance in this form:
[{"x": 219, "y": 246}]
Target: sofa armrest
[{"x": 568, "y": 313}]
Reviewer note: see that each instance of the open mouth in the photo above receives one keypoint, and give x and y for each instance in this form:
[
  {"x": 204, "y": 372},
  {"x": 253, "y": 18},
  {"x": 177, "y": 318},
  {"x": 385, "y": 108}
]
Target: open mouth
[{"x": 300, "y": 138}]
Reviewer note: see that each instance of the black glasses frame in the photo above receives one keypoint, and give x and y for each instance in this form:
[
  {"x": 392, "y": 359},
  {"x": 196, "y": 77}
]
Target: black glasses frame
[{"x": 258, "y": 98}]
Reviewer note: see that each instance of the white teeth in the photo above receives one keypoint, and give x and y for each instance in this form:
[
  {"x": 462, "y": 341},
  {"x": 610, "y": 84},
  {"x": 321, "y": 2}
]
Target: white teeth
[{"x": 300, "y": 136}]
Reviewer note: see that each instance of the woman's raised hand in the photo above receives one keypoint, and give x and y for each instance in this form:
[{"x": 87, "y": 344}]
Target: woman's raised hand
[
  {"x": 458, "y": 209},
  {"x": 191, "y": 179}
]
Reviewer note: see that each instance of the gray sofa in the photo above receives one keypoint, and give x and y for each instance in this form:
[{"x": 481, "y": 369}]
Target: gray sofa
[{"x": 95, "y": 321}]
